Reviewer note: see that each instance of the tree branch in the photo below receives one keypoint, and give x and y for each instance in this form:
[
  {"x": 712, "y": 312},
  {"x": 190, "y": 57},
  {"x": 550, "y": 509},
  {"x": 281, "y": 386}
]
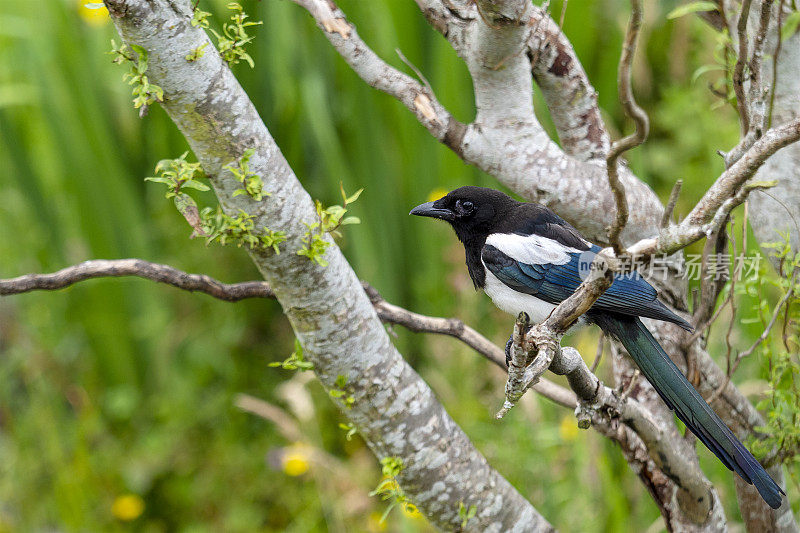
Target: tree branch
[
  {"x": 671, "y": 203},
  {"x": 378, "y": 74},
  {"x": 235, "y": 292},
  {"x": 569, "y": 95},
  {"x": 639, "y": 117},
  {"x": 720, "y": 199},
  {"x": 738, "y": 69},
  {"x": 102, "y": 268},
  {"x": 752, "y": 102},
  {"x": 536, "y": 349}
]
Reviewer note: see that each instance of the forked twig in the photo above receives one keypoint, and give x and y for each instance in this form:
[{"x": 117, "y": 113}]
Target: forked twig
[{"x": 640, "y": 119}]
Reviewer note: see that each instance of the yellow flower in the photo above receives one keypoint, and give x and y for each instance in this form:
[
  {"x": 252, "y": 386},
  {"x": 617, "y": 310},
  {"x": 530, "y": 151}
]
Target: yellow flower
[
  {"x": 568, "y": 428},
  {"x": 296, "y": 460},
  {"x": 93, "y": 15},
  {"x": 436, "y": 193},
  {"x": 127, "y": 507}
]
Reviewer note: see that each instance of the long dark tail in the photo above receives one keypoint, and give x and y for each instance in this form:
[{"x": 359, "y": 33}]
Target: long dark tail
[{"x": 681, "y": 397}]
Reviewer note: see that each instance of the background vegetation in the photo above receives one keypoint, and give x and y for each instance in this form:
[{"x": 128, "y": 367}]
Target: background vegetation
[{"x": 117, "y": 397}]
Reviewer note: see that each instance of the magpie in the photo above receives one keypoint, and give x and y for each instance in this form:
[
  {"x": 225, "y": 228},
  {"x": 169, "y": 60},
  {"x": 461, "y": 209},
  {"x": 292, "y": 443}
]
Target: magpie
[{"x": 527, "y": 258}]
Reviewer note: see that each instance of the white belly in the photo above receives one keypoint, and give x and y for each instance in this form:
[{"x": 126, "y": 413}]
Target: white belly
[{"x": 514, "y": 302}]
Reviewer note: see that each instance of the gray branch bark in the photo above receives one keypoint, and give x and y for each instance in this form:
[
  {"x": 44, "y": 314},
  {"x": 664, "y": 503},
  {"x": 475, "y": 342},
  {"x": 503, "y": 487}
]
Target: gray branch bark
[
  {"x": 394, "y": 410},
  {"x": 777, "y": 211}
]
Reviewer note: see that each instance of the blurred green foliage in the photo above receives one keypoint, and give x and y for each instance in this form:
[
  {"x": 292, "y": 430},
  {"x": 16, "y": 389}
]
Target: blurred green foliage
[{"x": 117, "y": 396}]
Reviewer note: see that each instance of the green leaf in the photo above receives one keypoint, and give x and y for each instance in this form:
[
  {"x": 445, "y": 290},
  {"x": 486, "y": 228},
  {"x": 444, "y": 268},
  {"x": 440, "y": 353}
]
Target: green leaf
[
  {"x": 762, "y": 184},
  {"x": 155, "y": 179},
  {"x": 354, "y": 196},
  {"x": 790, "y": 25},
  {"x": 188, "y": 208},
  {"x": 336, "y": 211},
  {"x": 142, "y": 62},
  {"x": 691, "y": 7},
  {"x": 704, "y": 69},
  {"x": 350, "y": 220},
  {"x": 194, "y": 184}
]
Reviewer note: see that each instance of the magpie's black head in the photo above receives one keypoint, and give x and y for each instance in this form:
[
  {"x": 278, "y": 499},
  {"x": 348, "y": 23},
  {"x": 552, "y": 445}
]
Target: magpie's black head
[{"x": 474, "y": 212}]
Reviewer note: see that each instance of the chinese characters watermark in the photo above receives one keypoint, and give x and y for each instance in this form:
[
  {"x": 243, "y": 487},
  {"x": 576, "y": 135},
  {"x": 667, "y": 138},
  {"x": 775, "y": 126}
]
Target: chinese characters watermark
[{"x": 717, "y": 267}]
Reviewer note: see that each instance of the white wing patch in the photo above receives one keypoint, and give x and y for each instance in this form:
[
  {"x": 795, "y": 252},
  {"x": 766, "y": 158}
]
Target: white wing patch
[
  {"x": 513, "y": 302},
  {"x": 531, "y": 249}
]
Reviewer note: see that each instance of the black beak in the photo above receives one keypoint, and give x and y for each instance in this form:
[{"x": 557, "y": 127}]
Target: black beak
[{"x": 429, "y": 210}]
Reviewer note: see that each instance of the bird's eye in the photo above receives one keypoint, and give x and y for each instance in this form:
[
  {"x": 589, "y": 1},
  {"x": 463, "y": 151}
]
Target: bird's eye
[{"x": 464, "y": 207}]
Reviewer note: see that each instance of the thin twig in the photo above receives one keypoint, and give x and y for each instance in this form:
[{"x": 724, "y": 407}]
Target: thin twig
[
  {"x": 746, "y": 353},
  {"x": 772, "y": 320},
  {"x": 563, "y": 15},
  {"x": 234, "y": 292},
  {"x": 101, "y": 268},
  {"x": 711, "y": 284},
  {"x": 413, "y": 67},
  {"x": 598, "y": 355},
  {"x": 728, "y": 344},
  {"x": 738, "y": 70},
  {"x": 631, "y": 385},
  {"x": 752, "y": 107},
  {"x": 639, "y": 117},
  {"x": 775, "y": 58},
  {"x": 757, "y": 94},
  {"x": 673, "y": 200}
]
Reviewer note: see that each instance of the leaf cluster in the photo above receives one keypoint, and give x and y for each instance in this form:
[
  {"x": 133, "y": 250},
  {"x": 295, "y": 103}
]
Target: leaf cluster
[
  {"x": 239, "y": 230},
  {"x": 466, "y": 513},
  {"x": 253, "y": 185},
  {"x": 295, "y": 361},
  {"x": 781, "y": 431},
  {"x": 200, "y": 18},
  {"x": 389, "y": 489},
  {"x": 329, "y": 220},
  {"x": 197, "y": 53},
  {"x": 339, "y": 392},
  {"x": 178, "y": 174},
  {"x": 144, "y": 92},
  {"x": 234, "y": 36},
  {"x": 350, "y": 429},
  {"x": 214, "y": 224}
]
